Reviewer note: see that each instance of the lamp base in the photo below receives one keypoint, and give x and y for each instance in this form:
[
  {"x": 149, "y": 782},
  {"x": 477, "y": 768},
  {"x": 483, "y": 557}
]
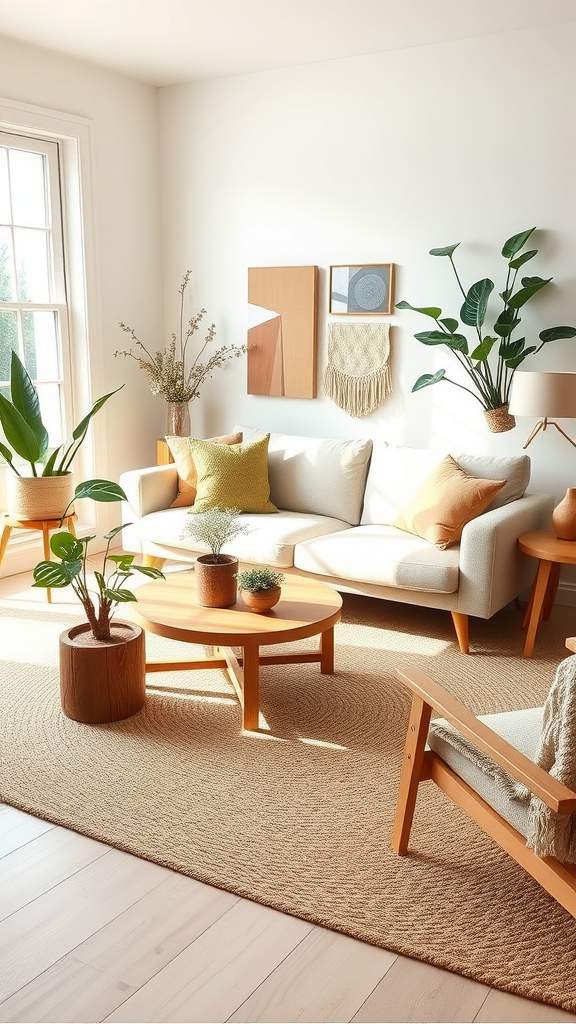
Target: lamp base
[{"x": 564, "y": 516}]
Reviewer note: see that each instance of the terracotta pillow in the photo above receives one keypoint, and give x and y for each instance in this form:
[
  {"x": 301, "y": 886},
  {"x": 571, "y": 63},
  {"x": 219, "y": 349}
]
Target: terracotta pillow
[
  {"x": 187, "y": 475},
  {"x": 447, "y": 500}
]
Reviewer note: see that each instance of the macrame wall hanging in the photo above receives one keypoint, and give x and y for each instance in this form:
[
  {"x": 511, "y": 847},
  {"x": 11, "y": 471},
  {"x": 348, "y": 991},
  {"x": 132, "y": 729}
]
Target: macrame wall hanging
[{"x": 357, "y": 376}]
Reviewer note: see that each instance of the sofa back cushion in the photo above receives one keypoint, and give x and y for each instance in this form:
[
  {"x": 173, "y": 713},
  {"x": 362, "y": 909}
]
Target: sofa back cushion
[
  {"x": 396, "y": 474},
  {"x": 320, "y": 476}
]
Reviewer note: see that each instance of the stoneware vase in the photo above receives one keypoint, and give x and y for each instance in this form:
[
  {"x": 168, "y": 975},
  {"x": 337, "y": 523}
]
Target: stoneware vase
[
  {"x": 39, "y": 497},
  {"x": 178, "y": 419},
  {"x": 499, "y": 420},
  {"x": 261, "y": 600},
  {"x": 216, "y": 585},
  {"x": 102, "y": 680},
  {"x": 564, "y": 516}
]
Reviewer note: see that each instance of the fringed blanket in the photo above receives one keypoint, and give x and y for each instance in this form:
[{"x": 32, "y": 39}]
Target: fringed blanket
[
  {"x": 549, "y": 834},
  {"x": 358, "y": 376}
]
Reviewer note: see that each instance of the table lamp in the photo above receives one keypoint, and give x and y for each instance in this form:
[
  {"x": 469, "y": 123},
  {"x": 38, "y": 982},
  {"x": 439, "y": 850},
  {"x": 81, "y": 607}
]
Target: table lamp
[{"x": 544, "y": 395}]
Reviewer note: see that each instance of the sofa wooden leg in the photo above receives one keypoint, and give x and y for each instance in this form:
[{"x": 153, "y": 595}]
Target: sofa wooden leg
[
  {"x": 411, "y": 774},
  {"x": 153, "y": 561},
  {"x": 461, "y": 627}
]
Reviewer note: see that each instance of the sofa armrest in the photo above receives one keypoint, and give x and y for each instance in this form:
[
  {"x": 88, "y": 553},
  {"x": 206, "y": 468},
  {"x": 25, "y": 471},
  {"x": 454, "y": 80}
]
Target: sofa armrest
[
  {"x": 492, "y": 569},
  {"x": 151, "y": 489}
]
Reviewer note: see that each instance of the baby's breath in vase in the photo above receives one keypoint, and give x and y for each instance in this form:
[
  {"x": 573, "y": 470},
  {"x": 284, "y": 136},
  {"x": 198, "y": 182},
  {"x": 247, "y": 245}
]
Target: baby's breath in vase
[{"x": 167, "y": 372}]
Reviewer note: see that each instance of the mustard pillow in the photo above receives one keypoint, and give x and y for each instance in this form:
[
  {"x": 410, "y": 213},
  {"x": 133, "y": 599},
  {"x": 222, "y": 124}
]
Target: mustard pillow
[
  {"x": 447, "y": 500},
  {"x": 232, "y": 476},
  {"x": 187, "y": 475}
]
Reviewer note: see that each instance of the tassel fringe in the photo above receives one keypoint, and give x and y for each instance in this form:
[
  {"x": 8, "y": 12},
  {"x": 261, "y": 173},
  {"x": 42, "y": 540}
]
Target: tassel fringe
[{"x": 358, "y": 396}]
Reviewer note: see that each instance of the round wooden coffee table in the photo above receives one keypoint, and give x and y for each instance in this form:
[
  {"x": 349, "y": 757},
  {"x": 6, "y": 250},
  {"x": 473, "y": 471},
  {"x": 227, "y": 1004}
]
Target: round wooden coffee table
[
  {"x": 306, "y": 608},
  {"x": 553, "y": 554}
]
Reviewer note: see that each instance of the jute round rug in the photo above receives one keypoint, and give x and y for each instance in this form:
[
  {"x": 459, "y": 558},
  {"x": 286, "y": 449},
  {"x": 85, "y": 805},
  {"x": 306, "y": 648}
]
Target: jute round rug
[{"x": 299, "y": 816}]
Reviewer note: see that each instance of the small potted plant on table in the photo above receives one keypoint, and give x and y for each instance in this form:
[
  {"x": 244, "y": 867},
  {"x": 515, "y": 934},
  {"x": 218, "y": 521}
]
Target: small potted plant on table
[
  {"x": 260, "y": 587},
  {"x": 215, "y": 573},
  {"x": 102, "y": 663}
]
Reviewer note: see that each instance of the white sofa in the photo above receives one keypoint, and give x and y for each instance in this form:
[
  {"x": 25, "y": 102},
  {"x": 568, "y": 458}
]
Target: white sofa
[{"x": 338, "y": 501}]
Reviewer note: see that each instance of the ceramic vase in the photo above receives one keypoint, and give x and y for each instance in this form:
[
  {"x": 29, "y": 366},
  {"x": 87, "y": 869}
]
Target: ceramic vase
[
  {"x": 178, "y": 419},
  {"x": 499, "y": 420},
  {"x": 216, "y": 585},
  {"x": 564, "y": 516},
  {"x": 261, "y": 600}
]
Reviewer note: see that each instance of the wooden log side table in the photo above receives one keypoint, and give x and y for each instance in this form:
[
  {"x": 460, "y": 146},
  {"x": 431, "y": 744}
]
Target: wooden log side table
[
  {"x": 44, "y": 525},
  {"x": 306, "y": 608},
  {"x": 553, "y": 553}
]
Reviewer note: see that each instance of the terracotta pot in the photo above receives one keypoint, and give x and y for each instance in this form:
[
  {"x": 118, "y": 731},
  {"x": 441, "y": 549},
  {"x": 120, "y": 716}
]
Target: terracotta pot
[
  {"x": 564, "y": 516},
  {"x": 261, "y": 600},
  {"x": 216, "y": 585},
  {"x": 102, "y": 680},
  {"x": 39, "y": 497},
  {"x": 499, "y": 420}
]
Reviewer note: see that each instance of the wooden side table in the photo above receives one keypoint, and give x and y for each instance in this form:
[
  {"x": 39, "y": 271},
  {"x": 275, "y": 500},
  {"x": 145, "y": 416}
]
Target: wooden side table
[
  {"x": 44, "y": 525},
  {"x": 163, "y": 453},
  {"x": 553, "y": 554}
]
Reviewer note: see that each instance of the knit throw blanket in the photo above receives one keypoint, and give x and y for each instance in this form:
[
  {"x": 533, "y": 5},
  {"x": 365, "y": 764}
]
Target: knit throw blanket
[
  {"x": 357, "y": 376},
  {"x": 549, "y": 834}
]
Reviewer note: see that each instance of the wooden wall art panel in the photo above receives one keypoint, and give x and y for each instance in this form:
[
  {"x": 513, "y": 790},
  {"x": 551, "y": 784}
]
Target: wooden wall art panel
[{"x": 282, "y": 331}]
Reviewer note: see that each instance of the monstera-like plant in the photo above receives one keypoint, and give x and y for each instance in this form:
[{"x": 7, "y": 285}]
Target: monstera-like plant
[{"x": 491, "y": 358}]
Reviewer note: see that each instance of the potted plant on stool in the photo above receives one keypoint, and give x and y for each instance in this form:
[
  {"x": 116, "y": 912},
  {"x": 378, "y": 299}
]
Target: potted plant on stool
[
  {"x": 102, "y": 663},
  {"x": 215, "y": 573},
  {"x": 260, "y": 587}
]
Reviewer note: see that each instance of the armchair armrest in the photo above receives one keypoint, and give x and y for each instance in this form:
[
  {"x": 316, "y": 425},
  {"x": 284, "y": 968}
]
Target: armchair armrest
[
  {"x": 492, "y": 569},
  {"x": 150, "y": 490},
  {"x": 553, "y": 793}
]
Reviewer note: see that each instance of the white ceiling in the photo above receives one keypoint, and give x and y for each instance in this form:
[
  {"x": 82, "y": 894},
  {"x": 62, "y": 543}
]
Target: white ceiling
[{"x": 165, "y": 42}]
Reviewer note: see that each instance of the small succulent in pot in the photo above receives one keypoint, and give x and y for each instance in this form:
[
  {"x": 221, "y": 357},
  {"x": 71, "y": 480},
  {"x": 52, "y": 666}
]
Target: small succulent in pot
[{"x": 259, "y": 578}]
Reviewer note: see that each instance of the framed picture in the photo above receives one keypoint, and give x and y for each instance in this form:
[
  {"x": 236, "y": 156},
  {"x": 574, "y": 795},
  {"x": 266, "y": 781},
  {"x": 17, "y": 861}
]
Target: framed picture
[
  {"x": 282, "y": 331},
  {"x": 362, "y": 290}
]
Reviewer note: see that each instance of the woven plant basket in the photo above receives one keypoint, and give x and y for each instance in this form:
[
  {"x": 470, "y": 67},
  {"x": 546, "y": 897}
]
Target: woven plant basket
[
  {"x": 499, "y": 420},
  {"x": 39, "y": 497}
]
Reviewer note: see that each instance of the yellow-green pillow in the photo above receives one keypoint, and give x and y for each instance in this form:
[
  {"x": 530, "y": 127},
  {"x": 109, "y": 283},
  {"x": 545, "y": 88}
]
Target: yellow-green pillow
[
  {"x": 180, "y": 451},
  {"x": 232, "y": 476},
  {"x": 447, "y": 500}
]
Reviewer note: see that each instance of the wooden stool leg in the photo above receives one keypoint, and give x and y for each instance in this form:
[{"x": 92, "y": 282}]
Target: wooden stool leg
[
  {"x": 4, "y": 541},
  {"x": 46, "y": 544},
  {"x": 551, "y": 590},
  {"x": 70, "y": 526},
  {"x": 411, "y": 772},
  {"x": 542, "y": 580}
]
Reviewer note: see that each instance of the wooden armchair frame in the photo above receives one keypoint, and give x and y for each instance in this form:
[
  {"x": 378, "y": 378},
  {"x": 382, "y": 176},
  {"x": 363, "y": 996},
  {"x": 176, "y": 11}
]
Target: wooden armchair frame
[{"x": 420, "y": 765}]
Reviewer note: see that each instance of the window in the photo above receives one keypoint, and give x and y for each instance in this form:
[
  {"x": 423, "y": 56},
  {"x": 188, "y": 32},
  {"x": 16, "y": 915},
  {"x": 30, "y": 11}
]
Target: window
[{"x": 33, "y": 313}]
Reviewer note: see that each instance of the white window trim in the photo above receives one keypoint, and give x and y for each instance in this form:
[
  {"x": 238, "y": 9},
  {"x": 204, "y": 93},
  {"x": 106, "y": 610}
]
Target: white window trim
[{"x": 74, "y": 135}]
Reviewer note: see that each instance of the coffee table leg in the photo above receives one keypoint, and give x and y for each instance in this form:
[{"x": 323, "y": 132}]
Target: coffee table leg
[
  {"x": 251, "y": 688},
  {"x": 327, "y": 650}
]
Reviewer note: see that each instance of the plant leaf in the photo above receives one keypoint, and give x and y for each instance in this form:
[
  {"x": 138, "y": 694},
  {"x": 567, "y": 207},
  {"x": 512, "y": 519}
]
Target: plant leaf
[
  {"x": 525, "y": 293},
  {"x": 100, "y": 490},
  {"x": 101, "y": 582},
  {"x": 483, "y": 350},
  {"x": 506, "y": 323},
  {"x": 149, "y": 570},
  {"x": 511, "y": 349},
  {"x": 82, "y": 427},
  {"x": 514, "y": 363},
  {"x": 49, "y": 467},
  {"x": 112, "y": 533},
  {"x": 474, "y": 307},
  {"x": 457, "y": 342},
  {"x": 556, "y": 334},
  {"x": 427, "y": 379},
  {"x": 66, "y": 547},
  {"x": 55, "y": 574},
  {"x": 433, "y": 311},
  {"x": 122, "y": 596},
  {"x": 6, "y": 454},
  {"x": 450, "y": 324},
  {"x": 18, "y": 434},
  {"x": 514, "y": 244},
  {"x": 25, "y": 398},
  {"x": 521, "y": 260},
  {"x": 446, "y": 250},
  {"x": 123, "y": 562}
]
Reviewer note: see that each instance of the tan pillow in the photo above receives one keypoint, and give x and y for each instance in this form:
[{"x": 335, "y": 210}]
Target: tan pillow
[
  {"x": 447, "y": 500},
  {"x": 187, "y": 475}
]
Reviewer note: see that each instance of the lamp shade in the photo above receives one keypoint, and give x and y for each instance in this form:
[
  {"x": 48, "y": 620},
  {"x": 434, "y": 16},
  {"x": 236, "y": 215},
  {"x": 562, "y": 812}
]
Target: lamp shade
[{"x": 543, "y": 394}]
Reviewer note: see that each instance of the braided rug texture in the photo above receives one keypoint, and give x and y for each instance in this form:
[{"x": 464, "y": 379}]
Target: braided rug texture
[{"x": 299, "y": 817}]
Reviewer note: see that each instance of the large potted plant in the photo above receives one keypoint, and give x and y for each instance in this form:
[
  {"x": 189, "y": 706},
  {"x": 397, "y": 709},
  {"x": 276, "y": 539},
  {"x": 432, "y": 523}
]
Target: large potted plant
[
  {"x": 216, "y": 585},
  {"x": 102, "y": 662},
  {"x": 490, "y": 378},
  {"x": 46, "y": 489}
]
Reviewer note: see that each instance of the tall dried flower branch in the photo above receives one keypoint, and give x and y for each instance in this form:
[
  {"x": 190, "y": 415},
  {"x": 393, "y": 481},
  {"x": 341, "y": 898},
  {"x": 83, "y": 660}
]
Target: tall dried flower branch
[{"x": 166, "y": 371}]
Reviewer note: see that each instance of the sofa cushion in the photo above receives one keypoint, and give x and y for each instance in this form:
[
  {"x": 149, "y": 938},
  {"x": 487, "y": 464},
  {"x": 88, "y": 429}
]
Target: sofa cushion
[
  {"x": 271, "y": 539},
  {"x": 186, "y": 467},
  {"x": 232, "y": 476},
  {"x": 396, "y": 472},
  {"x": 520, "y": 728},
  {"x": 382, "y": 555},
  {"x": 323, "y": 476},
  {"x": 446, "y": 500}
]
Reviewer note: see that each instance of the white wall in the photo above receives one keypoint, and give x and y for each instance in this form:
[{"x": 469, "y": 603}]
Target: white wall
[
  {"x": 124, "y": 238},
  {"x": 379, "y": 159}
]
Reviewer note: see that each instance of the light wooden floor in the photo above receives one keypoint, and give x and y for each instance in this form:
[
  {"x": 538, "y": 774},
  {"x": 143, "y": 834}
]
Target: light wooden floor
[{"x": 89, "y": 933}]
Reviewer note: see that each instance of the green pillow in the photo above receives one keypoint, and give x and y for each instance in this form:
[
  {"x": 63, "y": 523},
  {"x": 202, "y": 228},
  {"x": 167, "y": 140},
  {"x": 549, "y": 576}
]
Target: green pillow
[{"x": 232, "y": 476}]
